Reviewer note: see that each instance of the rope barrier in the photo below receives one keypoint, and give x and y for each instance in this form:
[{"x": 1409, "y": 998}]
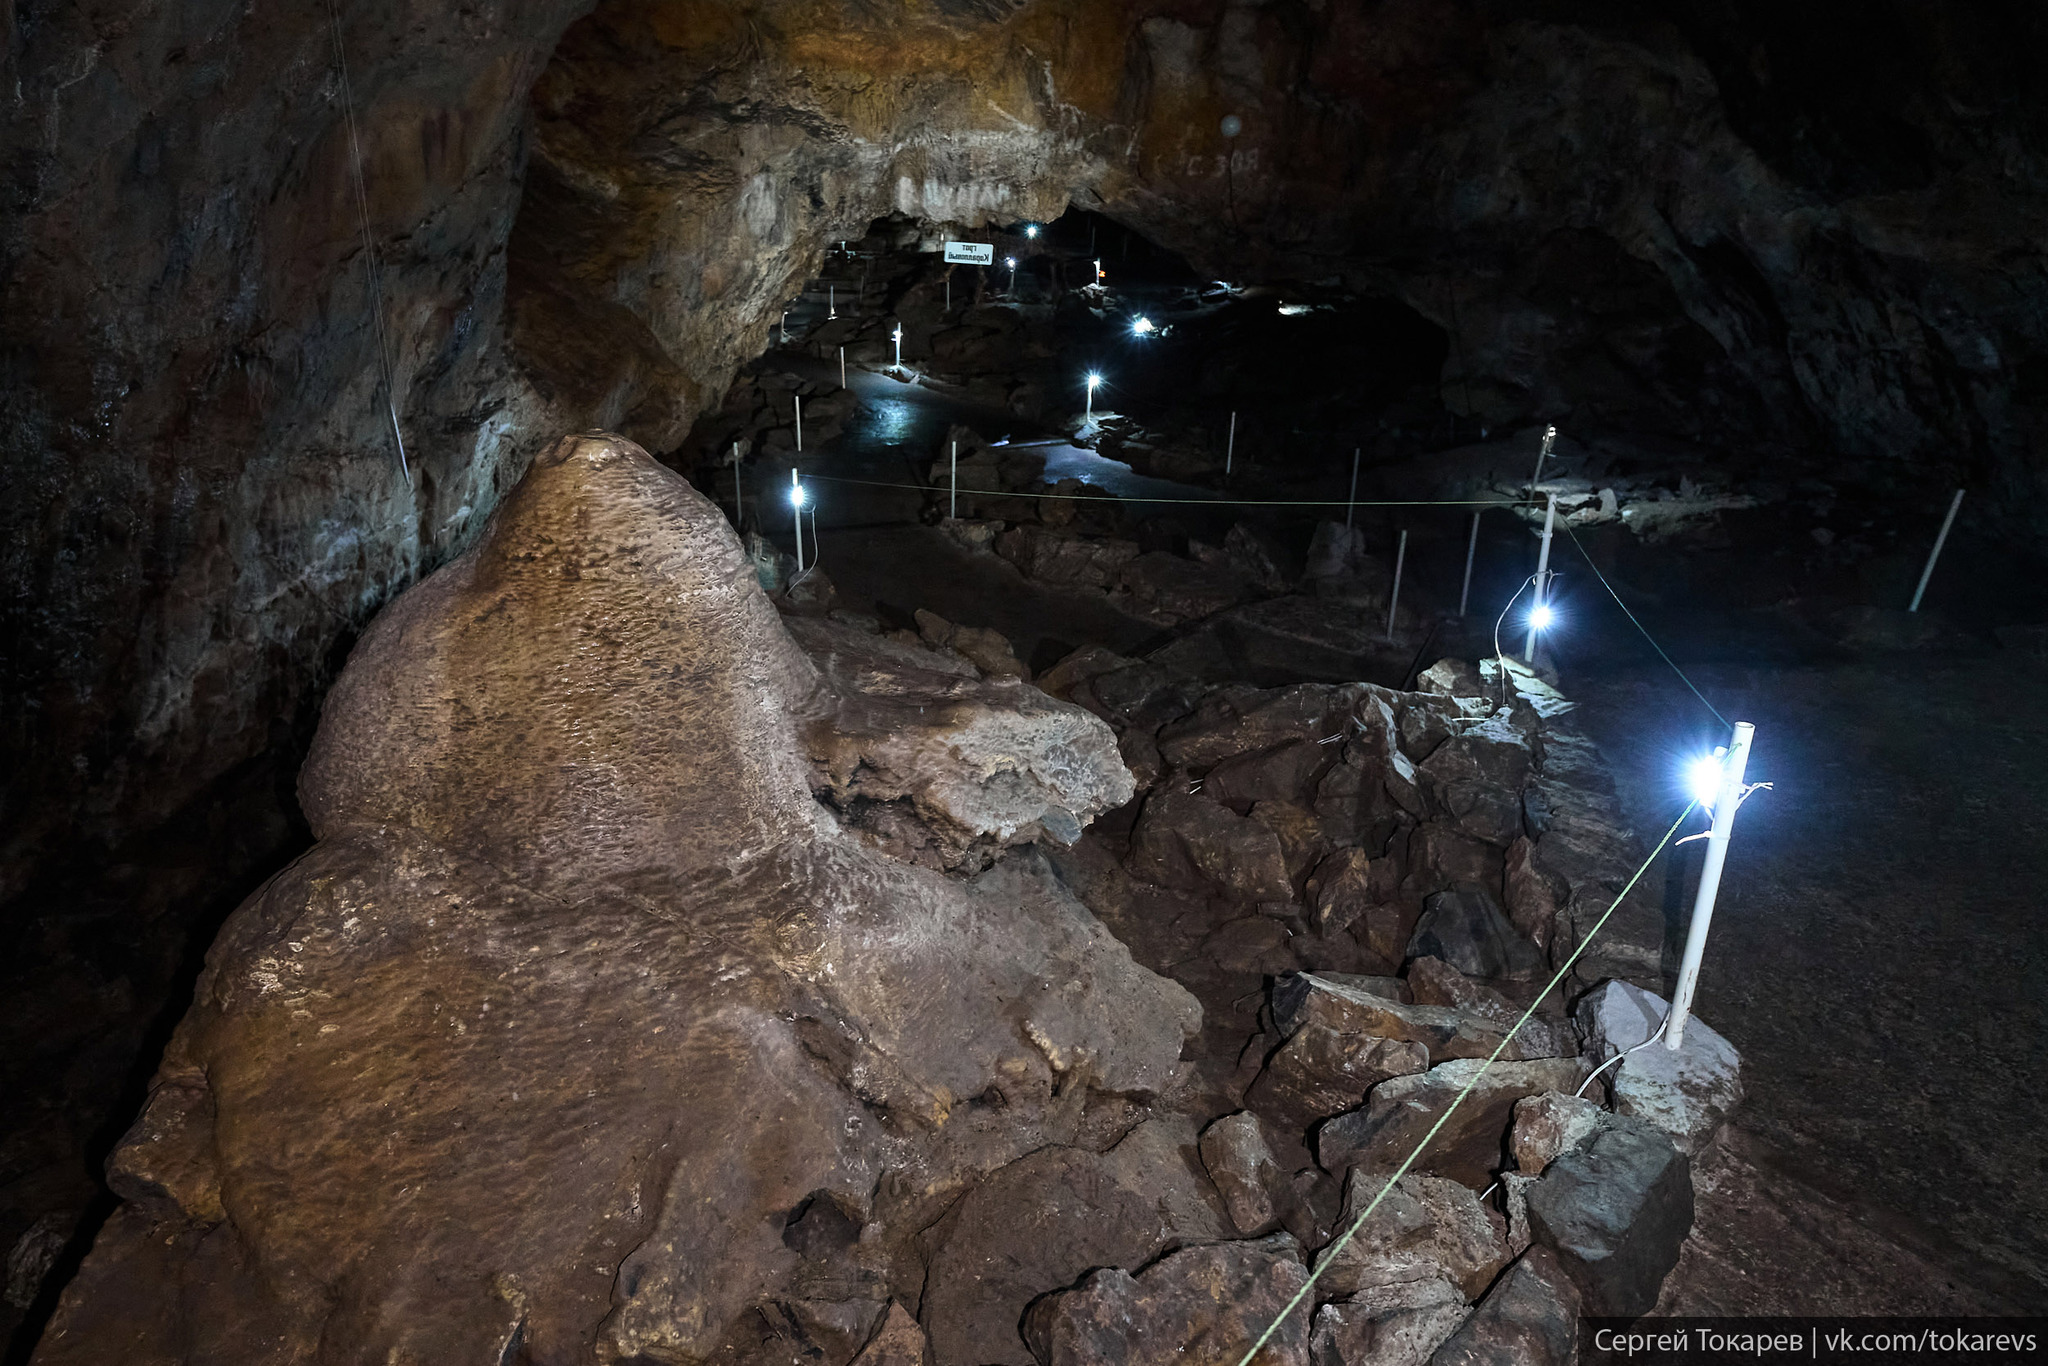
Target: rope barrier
[
  {"x": 1640, "y": 627},
  {"x": 1329, "y": 1254},
  {"x": 372, "y": 269},
  {"x": 1205, "y": 502}
]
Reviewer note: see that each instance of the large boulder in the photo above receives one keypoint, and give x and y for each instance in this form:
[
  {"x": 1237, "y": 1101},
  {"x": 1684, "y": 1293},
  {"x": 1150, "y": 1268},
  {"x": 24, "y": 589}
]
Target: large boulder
[
  {"x": 1424, "y": 1228},
  {"x": 1399, "y": 1324},
  {"x": 1685, "y": 1092},
  {"x": 1616, "y": 1210},
  {"x": 1467, "y": 929},
  {"x": 1039, "y": 1223},
  {"x": 1470, "y": 1147},
  {"x": 1204, "y": 1304},
  {"x": 1185, "y": 840},
  {"x": 1241, "y": 1164},
  {"x": 583, "y": 1025},
  {"x": 1339, "y": 1004},
  {"x": 1476, "y": 778},
  {"x": 1529, "y": 1318},
  {"x": 1322, "y": 1071}
]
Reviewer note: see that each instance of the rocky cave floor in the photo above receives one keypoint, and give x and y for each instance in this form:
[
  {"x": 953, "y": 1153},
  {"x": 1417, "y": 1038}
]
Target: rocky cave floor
[{"x": 1875, "y": 939}]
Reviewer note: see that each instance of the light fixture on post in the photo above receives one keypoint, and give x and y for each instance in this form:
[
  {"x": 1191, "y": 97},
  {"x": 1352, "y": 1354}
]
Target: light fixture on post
[
  {"x": 1717, "y": 784},
  {"x": 1031, "y": 230},
  {"x": 796, "y": 505},
  {"x": 1011, "y": 262},
  {"x": 899, "y": 345},
  {"x": 1093, "y": 380},
  {"x": 1143, "y": 327}
]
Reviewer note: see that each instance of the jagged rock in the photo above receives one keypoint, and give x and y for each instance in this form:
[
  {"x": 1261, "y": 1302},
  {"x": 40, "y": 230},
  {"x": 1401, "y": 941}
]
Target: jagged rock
[
  {"x": 1440, "y": 859},
  {"x": 1468, "y": 1148},
  {"x": 964, "y": 763},
  {"x": 1082, "y": 665},
  {"x": 1186, "y": 840},
  {"x": 1686, "y": 1093},
  {"x": 1303, "y": 841},
  {"x": 1434, "y": 982},
  {"x": 1615, "y": 1210},
  {"x": 1476, "y": 777},
  {"x": 898, "y": 1342},
  {"x": 1455, "y": 679},
  {"x": 1322, "y": 1071},
  {"x": 570, "y": 884},
  {"x": 988, "y": 651},
  {"x": 1054, "y": 557},
  {"x": 1255, "y": 557},
  {"x": 1206, "y": 1303},
  {"x": 1356, "y": 804},
  {"x": 1548, "y": 1125},
  {"x": 1041, "y": 1222},
  {"x": 1332, "y": 1002},
  {"x": 1530, "y": 896},
  {"x": 1423, "y": 1229},
  {"x": 1344, "y": 886},
  {"x": 1467, "y": 929},
  {"x": 1233, "y": 721},
  {"x": 1146, "y": 695},
  {"x": 1241, "y": 1164},
  {"x": 1283, "y": 773},
  {"x": 1529, "y": 1318},
  {"x": 1388, "y": 1325},
  {"x": 1168, "y": 589}
]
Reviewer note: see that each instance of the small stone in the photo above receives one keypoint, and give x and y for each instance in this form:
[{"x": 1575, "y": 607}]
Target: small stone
[
  {"x": 1185, "y": 840},
  {"x": 1242, "y": 1166},
  {"x": 1529, "y": 1318},
  {"x": 1616, "y": 1212},
  {"x": 1399, "y": 1113},
  {"x": 1387, "y": 1325},
  {"x": 898, "y": 1342},
  {"x": 1467, "y": 929},
  {"x": 1687, "y": 1092}
]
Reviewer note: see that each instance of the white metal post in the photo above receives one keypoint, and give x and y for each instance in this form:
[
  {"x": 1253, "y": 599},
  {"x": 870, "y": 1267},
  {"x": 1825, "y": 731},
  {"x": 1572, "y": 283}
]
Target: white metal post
[
  {"x": 798, "y": 400},
  {"x": 1935, "y": 553},
  {"x": 739, "y": 491},
  {"x": 1471, "y": 550},
  {"x": 1351, "y": 502},
  {"x": 1549, "y": 435},
  {"x": 1733, "y": 765},
  {"x": 949, "y": 291},
  {"x": 796, "y": 506},
  {"x": 1394, "y": 599},
  {"x": 899, "y": 346},
  {"x": 842, "y": 367},
  {"x": 1542, "y": 580},
  {"x": 785, "y": 327},
  {"x": 831, "y": 301},
  {"x": 1230, "y": 444},
  {"x": 953, "y": 500}
]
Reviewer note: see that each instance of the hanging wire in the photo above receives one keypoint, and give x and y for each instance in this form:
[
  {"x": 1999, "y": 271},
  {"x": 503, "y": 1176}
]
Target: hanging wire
[
  {"x": 373, "y": 270},
  {"x": 1640, "y": 627}
]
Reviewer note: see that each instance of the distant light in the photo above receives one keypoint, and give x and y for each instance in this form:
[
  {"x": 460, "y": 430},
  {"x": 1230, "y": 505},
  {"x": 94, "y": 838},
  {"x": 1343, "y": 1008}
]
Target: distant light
[
  {"x": 1703, "y": 779},
  {"x": 1010, "y": 261},
  {"x": 1031, "y": 230},
  {"x": 1142, "y": 327},
  {"x": 1231, "y": 126},
  {"x": 1541, "y": 616},
  {"x": 796, "y": 495},
  {"x": 1093, "y": 380},
  {"x": 1291, "y": 310}
]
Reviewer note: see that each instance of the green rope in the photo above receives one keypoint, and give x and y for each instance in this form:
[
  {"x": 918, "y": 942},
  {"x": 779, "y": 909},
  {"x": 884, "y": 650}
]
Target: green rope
[
  {"x": 1640, "y": 627},
  {"x": 1329, "y": 1254}
]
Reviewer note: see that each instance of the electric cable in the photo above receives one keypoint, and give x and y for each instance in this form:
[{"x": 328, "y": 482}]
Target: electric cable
[
  {"x": 1640, "y": 627},
  {"x": 1328, "y": 1256}
]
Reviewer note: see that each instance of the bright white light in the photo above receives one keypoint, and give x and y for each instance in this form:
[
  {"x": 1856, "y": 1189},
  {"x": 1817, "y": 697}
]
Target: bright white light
[
  {"x": 1094, "y": 380},
  {"x": 1703, "y": 779},
  {"x": 898, "y": 334},
  {"x": 1541, "y": 616},
  {"x": 1292, "y": 310},
  {"x": 1010, "y": 261},
  {"x": 1031, "y": 231},
  {"x": 1142, "y": 327},
  {"x": 796, "y": 495}
]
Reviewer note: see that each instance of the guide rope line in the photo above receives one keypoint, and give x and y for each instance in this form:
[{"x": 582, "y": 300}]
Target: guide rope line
[
  {"x": 1206, "y": 502},
  {"x": 372, "y": 269},
  {"x": 1640, "y": 627},
  {"x": 1329, "y": 1254}
]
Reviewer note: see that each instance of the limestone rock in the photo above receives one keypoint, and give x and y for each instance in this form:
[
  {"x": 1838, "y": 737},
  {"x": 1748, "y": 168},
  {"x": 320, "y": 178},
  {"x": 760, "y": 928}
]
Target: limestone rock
[
  {"x": 1056, "y": 558},
  {"x": 1321, "y": 1072},
  {"x": 989, "y": 651},
  {"x": 581, "y": 995},
  {"x": 1168, "y": 589},
  {"x": 1039, "y": 1223},
  {"x": 1423, "y": 1229},
  {"x": 1469, "y": 1148},
  {"x": 1205, "y": 1303},
  {"x": 1467, "y": 929},
  {"x": 1328, "y": 1000},
  {"x": 1529, "y": 1318},
  {"x": 1551, "y": 1124},
  {"x": 1388, "y": 1325},
  {"x": 1285, "y": 773},
  {"x": 1246, "y": 1176},
  {"x": 898, "y": 1342},
  {"x": 1245, "y": 720},
  {"x": 964, "y": 766},
  {"x": 1080, "y": 666},
  {"x": 1616, "y": 1211},
  {"x": 1185, "y": 840},
  {"x": 1686, "y": 1093},
  {"x": 1530, "y": 896}
]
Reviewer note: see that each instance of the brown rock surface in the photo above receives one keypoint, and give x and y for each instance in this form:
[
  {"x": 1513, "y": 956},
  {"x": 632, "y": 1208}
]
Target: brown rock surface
[
  {"x": 1202, "y": 1304},
  {"x": 1469, "y": 1148},
  {"x": 581, "y": 998}
]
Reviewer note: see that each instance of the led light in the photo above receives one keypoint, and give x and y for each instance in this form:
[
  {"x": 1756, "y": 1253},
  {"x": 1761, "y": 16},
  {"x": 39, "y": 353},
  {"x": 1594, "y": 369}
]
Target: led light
[
  {"x": 1010, "y": 261},
  {"x": 796, "y": 495},
  {"x": 1031, "y": 230},
  {"x": 1141, "y": 327},
  {"x": 1703, "y": 778},
  {"x": 1094, "y": 380},
  {"x": 1541, "y": 616}
]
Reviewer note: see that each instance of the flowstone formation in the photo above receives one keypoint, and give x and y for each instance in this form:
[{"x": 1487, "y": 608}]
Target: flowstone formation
[{"x": 585, "y": 1032}]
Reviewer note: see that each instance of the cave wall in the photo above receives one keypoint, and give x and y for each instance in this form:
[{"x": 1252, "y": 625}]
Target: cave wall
[{"x": 1813, "y": 232}]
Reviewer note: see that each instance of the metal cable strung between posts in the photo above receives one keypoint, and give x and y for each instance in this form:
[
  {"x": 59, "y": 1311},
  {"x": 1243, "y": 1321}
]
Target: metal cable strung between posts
[
  {"x": 1201, "y": 502},
  {"x": 374, "y": 272},
  {"x": 1640, "y": 627},
  {"x": 1329, "y": 1254}
]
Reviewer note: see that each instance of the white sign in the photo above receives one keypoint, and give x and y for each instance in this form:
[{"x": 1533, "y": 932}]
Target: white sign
[{"x": 971, "y": 253}]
